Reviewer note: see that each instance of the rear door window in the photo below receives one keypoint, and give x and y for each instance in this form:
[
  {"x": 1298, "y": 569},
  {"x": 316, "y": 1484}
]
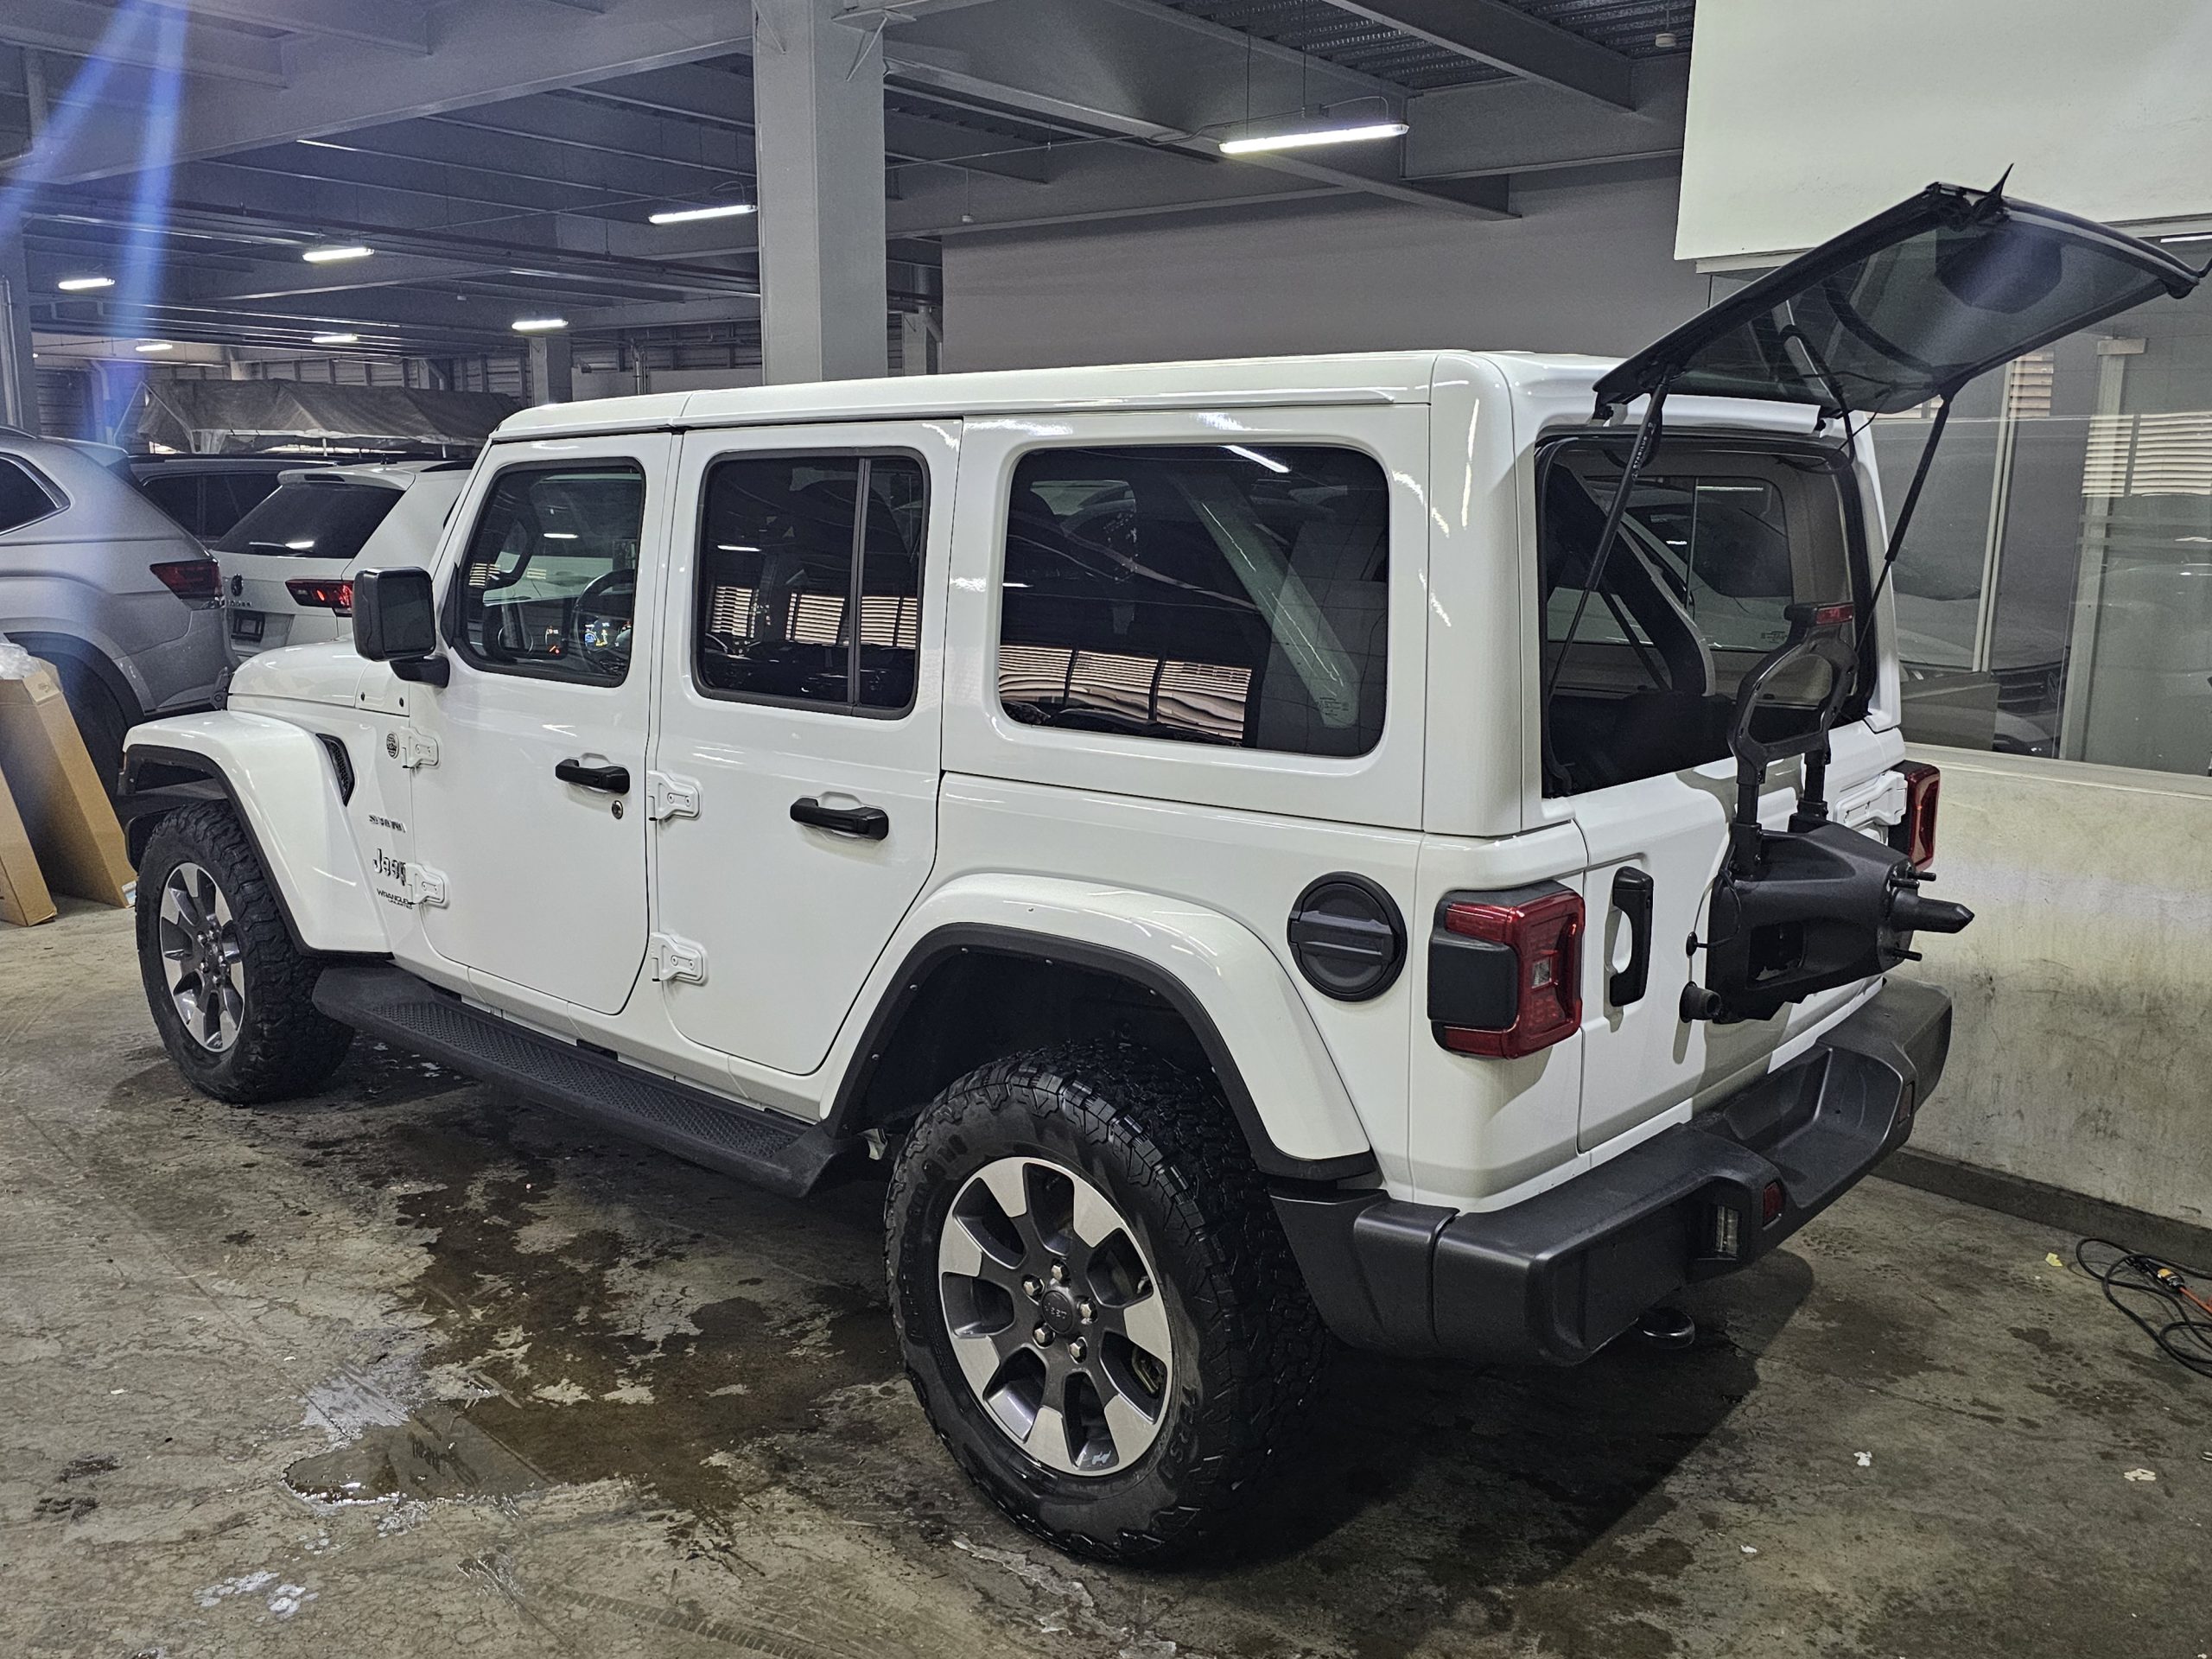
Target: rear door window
[
  {"x": 311, "y": 521},
  {"x": 793, "y": 549},
  {"x": 1717, "y": 544},
  {"x": 1234, "y": 594}
]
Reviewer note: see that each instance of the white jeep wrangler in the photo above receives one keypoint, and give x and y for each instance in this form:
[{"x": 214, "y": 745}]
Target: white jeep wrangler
[{"x": 1362, "y": 845}]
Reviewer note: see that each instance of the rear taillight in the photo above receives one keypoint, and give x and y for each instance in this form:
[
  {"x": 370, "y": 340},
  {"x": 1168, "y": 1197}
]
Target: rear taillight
[
  {"x": 196, "y": 581},
  {"x": 1915, "y": 835},
  {"x": 326, "y": 593},
  {"x": 1505, "y": 970}
]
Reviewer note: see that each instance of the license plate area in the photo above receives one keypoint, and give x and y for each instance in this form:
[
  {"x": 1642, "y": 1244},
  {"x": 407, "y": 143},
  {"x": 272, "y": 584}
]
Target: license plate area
[{"x": 246, "y": 625}]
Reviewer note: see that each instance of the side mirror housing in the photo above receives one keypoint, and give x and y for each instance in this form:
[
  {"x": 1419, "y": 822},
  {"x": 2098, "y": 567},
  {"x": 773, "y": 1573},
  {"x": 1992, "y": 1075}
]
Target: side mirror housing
[{"x": 396, "y": 621}]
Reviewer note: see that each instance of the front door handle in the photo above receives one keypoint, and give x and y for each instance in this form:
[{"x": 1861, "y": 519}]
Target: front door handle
[
  {"x": 1632, "y": 898},
  {"x": 869, "y": 823},
  {"x": 608, "y": 780}
]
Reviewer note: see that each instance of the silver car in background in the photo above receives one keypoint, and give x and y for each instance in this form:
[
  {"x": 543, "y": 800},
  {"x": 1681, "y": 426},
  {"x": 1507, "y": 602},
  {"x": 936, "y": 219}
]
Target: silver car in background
[{"x": 103, "y": 584}]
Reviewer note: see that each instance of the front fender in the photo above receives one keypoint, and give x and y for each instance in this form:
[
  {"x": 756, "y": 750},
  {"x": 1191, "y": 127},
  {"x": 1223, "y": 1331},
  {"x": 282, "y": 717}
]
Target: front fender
[
  {"x": 1264, "y": 1045},
  {"x": 278, "y": 780}
]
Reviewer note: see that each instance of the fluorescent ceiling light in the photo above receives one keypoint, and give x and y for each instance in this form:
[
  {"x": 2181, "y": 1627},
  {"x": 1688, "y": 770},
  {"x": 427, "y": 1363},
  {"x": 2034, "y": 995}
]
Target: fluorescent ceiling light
[
  {"x": 2194, "y": 236},
  {"x": 1268, "y": 461},
  {"x": 685, "y": 215},
  {"x": 153, "y": 346},
  {"x": 334, "y": 340},
  {"x": 1310, "y": 138},
  {"x": 538, "y": 325},
  {"x": 332, "y": 255},
  {"x": 325, "y": 143},
  {"x": 84, "y": 284}
]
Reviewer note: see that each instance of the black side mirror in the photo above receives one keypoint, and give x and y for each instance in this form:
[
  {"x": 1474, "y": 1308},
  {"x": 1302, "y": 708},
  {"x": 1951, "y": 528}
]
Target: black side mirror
[{"x": 396, "y": 621}]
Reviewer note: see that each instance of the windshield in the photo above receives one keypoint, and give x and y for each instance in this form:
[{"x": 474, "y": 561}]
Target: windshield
[
  {"x": 1719, "y": 541},
  {"x": 312, "y": 521}
]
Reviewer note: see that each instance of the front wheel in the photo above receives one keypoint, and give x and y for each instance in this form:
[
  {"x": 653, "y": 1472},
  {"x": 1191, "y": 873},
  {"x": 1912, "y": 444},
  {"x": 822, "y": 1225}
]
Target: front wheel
[
  {"x": 230, "y": 994},
  {"x": 1095, "y": 1302}
]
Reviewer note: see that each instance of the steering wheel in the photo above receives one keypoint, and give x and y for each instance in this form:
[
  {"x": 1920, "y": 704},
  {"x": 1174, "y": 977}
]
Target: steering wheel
[{"x": 605, "y": 649}]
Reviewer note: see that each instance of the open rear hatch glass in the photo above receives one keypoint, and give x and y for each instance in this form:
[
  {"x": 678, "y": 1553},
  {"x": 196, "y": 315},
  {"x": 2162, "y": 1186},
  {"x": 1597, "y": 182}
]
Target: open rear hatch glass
[{"x": 1909, "y": 306}]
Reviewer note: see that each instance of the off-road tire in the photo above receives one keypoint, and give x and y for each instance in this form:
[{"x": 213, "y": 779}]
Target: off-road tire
[
  {"x": 285, "y": 1046},
  {"x": 1162, "y": 1147}
]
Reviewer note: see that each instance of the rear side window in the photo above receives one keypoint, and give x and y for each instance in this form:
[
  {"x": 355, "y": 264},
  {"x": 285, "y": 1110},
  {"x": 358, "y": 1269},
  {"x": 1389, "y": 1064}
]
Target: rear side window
[
  {"x": 1231, "y": 595},
  {"x": 793, "y": 549},
  {"x": 22, "y": 497},
  {"x": 178, "y": 495},
  {"x": 1716, "y": 544},
  {"x": 549, "y": 585},
  {"x": 311, "y": 521},
  {"x": 230, "y": 496}
]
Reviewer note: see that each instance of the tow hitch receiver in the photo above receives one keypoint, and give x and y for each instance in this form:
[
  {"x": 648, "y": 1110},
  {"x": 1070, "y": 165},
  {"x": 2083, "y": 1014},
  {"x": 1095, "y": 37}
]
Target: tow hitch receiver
[{"x": 1818, "y": 904}]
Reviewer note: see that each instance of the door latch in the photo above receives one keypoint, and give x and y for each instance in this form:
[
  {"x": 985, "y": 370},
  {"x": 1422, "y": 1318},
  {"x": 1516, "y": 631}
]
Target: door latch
[
  {"x": 425, "y": 887},
  {"x": 675, "y": 958},
  {"x": 670, "y": 797},
  {"x": 412, "y": 748}
]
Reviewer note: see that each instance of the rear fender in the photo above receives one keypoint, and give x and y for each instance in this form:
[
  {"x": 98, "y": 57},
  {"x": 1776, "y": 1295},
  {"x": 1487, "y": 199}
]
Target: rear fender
[
  {"x": 1238, "y": 1000},
  {"x": 278, "y": 780}
]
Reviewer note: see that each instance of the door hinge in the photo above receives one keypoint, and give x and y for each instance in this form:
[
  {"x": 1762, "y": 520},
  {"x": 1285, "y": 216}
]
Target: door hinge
[
  {"x": 675, "y": 958},
  {"x": 670, "y": 796},
  {"x": 425, "y": 887},
  {"x": 414, "y": 749}
]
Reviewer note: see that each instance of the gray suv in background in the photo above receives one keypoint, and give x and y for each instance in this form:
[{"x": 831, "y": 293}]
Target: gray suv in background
[{"x": 103, "y": 584}]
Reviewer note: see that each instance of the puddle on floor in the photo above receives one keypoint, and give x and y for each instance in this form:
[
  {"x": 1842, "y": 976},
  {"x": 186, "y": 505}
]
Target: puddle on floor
[
  {"x": 436, "y": 1454},
  {"x": 576, "y": 1341}
]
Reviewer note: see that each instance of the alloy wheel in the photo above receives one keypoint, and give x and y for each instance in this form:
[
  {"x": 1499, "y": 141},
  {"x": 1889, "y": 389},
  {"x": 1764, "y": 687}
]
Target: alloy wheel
[
  {"x": 1056, "y": 1317},
  {"x": 201, "y": 958}
]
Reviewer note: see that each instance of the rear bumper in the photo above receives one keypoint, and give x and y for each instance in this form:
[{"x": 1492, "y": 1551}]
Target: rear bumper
[{"x": 1560, "y": 1276}]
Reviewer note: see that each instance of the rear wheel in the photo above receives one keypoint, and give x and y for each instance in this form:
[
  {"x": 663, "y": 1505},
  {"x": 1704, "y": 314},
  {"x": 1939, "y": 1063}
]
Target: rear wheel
[
  {"x": 101, "y": 720},
  {"x": 230, "y": 994},
  {"x": 1095, "y": 1302}
]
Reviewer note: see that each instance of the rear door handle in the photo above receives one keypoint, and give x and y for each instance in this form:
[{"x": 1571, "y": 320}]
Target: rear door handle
[
  {"x": 869, "y": 823},
  {"x": 1632, "y": 897},
  {"x": 608, "y": 780}
]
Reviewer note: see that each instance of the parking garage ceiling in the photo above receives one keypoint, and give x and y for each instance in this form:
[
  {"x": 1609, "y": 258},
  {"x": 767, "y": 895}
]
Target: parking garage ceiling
[{"x": 504, "y": 158}]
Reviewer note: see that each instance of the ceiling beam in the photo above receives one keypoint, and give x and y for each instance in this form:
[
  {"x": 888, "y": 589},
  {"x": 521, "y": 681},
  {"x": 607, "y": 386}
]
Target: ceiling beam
[
  {"x": 1505, "y": 37},
  {"x": 485, "y": 51},
  {"x": 1139, "y": 71},
  {"x": 697, "y": 92},
  {"x": 85, "y": 30},
  {"x": 395, "y": 25},
  {"x": 1519, "y": 126}
]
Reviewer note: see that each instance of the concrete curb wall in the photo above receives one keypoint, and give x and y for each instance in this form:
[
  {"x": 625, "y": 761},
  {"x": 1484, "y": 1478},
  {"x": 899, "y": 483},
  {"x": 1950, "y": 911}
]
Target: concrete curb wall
[{"x": 2082, "y": 1055}]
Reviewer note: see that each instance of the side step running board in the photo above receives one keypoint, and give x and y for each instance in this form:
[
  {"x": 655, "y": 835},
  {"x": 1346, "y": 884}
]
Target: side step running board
[{"x": 777, "y": 1153}]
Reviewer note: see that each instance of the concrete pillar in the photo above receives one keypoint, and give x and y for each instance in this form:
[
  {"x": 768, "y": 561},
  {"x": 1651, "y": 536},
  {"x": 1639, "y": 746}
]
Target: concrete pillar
[
  {"x": 550, "y": 365},
  {"x": 18, "y": 373},
  {"x": 817, "y": 100}
]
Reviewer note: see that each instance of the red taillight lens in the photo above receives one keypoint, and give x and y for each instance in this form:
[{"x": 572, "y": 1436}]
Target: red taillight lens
[
  {"x": 1771, "y": 1202},
  {"x": 1916, "y": 834},
  {"x": 325, "y": 593},
  {"x": 196, "y": 581},
  {"x": 1544, "y": 934}
]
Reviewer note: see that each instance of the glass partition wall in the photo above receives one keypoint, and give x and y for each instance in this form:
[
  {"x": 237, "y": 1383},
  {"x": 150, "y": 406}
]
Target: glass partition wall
[{"x": 2055, "y": 596}]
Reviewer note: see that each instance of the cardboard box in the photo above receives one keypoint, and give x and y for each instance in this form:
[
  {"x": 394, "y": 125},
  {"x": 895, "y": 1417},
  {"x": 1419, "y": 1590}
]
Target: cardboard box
[
  {"x": 66, "y": 810},
  {"x": 23, "y": 898}
]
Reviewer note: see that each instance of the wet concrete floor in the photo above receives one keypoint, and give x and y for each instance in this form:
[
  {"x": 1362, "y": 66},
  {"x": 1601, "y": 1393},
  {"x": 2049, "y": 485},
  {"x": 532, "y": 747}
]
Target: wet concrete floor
[{"x": 409, "y": 1369}]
